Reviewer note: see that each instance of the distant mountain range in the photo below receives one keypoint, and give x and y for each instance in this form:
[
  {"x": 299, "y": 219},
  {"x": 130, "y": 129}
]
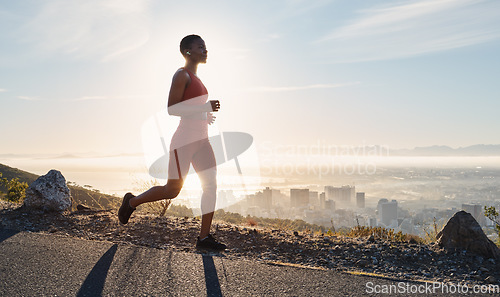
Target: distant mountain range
[{"x": 442, "y": 150}]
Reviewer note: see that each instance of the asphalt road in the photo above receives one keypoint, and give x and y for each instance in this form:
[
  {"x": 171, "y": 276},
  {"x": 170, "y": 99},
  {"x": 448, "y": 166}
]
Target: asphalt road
[{"x": 33, "y": 264}]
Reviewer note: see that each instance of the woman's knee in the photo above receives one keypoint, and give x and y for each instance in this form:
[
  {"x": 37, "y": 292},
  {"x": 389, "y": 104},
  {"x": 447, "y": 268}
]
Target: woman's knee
[
  {"x": 208, "y": 179},
  {"x": 173, "y": 188}
]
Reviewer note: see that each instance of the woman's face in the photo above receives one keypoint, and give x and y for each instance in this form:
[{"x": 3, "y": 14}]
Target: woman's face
[{"x": 199, "y": 52}]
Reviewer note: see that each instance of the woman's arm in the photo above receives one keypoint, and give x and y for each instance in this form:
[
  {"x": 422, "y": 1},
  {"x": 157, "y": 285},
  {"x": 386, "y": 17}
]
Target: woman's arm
[{"x": 175, "y": 107}]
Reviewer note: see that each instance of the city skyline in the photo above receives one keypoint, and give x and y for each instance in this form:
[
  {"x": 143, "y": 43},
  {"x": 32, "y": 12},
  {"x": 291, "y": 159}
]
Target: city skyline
[
  {"x": 84, "y": 77},
  {"x": 344, "y": 207}
]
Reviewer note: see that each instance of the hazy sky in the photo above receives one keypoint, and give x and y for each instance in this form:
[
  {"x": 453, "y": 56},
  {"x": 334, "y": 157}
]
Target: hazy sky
[{"x": 83, "y": 76}]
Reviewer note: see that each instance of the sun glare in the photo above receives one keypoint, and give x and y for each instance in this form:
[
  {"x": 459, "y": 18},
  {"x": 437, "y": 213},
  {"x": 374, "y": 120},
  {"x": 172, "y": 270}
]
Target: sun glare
[{"x": 192, "y": 182}]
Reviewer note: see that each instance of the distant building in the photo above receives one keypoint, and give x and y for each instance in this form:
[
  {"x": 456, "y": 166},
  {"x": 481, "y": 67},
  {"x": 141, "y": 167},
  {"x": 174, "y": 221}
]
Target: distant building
[
  {"x": 387, "y": 211},
  {"x": 352, "y": 192},
  {"x": 373, "y": 222},
  {"x": 330, "y": 205},
  {"x": 383, "y": 200},
  {"x": 251, "y": 200},
  {"x": 360, "y": 199},
  {"x": 267, "y": 199},
  {"x": 263, "y": 200},
  {"x": 277, "y": 197},
  {"x": 299, "y": 197},
  {"x": 322, "y": 199},
  {"x": 476, "y": 211},
  {"x": 340, "y": 194},
  {"x": 313, "y": 198}
]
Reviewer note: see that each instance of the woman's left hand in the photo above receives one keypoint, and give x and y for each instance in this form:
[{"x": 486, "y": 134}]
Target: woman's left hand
[{"x": 210, "y": 118}]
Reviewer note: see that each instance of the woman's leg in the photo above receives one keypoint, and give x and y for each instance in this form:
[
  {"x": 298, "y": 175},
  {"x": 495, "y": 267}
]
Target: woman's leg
[
  {"x": 208, "y": 180},
  {"x": 205, "y": 165},
  {"x": 168, "y": 191},
  {"x": 179, "y": 162}
]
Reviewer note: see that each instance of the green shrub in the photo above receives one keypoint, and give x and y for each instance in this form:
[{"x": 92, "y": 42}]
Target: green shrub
[
  {"x": 492, "y": 214},
  {"x": 16, "y": 190}
]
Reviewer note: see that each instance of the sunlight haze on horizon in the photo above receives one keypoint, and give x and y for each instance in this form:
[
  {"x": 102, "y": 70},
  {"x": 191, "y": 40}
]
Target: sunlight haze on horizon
[{"x": 83, "y": 76}]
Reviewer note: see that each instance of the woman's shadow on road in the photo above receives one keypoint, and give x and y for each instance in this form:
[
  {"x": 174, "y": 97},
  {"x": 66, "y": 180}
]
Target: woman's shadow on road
[{"x": 94, "y": 283}]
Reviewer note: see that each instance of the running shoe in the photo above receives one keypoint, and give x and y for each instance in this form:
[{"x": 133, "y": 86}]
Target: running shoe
[
  {"x": 126, "y": 210},
  {"x": 209, "y": 243}
]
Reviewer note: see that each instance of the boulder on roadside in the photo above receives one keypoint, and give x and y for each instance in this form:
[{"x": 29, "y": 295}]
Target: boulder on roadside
[
  {"x": 49, "y": 192},
  {"x": 463, "y": 232}
]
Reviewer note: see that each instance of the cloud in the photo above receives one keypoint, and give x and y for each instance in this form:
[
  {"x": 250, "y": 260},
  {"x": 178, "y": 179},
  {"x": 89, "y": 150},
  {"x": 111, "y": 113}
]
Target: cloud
[
  {"x": 3, "y": 90},
  {"x": 106, "y": 29},
  {"x": 413, "y": 28},
  {"x": 29, "y": 98},
  {"x": 301, "y": 88}
]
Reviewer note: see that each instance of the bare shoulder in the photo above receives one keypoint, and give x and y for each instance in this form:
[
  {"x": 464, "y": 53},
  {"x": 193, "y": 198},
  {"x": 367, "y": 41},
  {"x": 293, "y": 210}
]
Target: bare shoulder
[
  {"x": 181, "y": 76},
  {"x": 180, "y": 82}
]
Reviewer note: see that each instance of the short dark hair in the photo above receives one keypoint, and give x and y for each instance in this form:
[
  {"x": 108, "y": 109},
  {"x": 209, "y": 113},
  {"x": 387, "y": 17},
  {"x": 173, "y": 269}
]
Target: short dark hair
[{"x": 187, "y": 41}]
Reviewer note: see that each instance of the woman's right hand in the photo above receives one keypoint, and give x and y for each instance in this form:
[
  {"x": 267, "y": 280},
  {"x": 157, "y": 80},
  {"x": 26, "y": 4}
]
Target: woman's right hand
[{"x": 215, "y": 105}]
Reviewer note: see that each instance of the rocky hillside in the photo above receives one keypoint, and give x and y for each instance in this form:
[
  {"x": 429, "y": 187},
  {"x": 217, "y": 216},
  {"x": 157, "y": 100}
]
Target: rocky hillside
[{"x": 79, "y": 194}]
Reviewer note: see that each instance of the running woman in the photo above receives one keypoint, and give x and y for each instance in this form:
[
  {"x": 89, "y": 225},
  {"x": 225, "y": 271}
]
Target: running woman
[{"x": 188, "y": 99}]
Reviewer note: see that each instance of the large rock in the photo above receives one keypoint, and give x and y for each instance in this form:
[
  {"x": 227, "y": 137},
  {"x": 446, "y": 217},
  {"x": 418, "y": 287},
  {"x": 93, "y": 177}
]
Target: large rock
[
  {"x": 462, "y": 231},
  {"x": 49, "y": 192}
]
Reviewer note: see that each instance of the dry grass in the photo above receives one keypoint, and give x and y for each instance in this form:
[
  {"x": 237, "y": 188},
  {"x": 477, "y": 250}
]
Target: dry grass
[
  {"x": 431, "y": 232},
  {"x": 158, "y": 207},
  {"x": 383, "y": 234}
]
